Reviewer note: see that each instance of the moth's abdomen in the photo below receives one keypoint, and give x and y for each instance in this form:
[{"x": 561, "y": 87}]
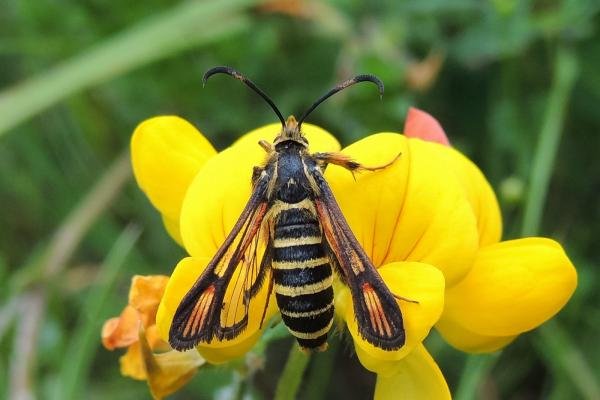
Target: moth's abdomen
[{"x": 302, "y": 278}]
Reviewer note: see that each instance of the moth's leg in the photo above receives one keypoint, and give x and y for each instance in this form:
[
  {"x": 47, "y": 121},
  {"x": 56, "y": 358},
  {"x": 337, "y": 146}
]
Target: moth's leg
[
  {"x": 268, "y": 147},
  {"x": 345, "y": 161}
]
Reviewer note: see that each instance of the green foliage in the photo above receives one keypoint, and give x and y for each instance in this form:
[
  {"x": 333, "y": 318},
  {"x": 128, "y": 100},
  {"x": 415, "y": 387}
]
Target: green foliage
[{"x": 517, "y": 91}]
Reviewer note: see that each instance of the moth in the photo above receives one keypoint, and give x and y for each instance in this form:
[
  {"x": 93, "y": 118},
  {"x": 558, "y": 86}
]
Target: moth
[{"x": 291, "y": 236}]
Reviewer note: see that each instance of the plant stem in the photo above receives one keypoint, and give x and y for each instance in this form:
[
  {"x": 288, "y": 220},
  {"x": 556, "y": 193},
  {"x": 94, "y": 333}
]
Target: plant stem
[
  {"x": 289, "y": 383},
  {"x": 475, "y": 370},
  {"x": 320, "y": 372}
]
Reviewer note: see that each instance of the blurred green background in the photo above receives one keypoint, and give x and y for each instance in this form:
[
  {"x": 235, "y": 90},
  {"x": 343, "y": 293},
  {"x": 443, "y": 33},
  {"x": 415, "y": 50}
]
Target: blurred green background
[{"x": 515, "y": 84}]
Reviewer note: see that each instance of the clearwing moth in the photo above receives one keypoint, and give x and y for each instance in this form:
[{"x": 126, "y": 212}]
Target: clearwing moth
[{"x": 290, "y": 236}]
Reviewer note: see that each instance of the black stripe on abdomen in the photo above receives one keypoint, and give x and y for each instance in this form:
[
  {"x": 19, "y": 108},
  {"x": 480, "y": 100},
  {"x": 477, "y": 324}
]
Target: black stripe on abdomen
[
  {"x": 298, "y": 254},
  {"x": 308, "y": 317},
  {"x": 305, "y": 303},
  {"x": 310, "y": 324},
  {"x": 298, "y": 277}
]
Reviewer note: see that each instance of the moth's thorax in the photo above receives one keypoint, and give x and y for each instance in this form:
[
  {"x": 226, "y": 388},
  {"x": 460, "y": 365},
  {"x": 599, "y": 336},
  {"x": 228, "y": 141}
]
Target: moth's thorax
[{"x": 291, "y": 185}]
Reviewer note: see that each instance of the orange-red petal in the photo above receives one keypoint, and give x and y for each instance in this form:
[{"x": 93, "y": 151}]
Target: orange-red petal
[{"x": 422, "y": 125}]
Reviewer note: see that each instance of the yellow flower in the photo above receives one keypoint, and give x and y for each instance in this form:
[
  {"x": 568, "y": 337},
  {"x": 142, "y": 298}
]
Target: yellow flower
[
  {"x": 148, "y": 357},
  {"x": 512, "y": 286},
  {"x": 429, "y": 223}
]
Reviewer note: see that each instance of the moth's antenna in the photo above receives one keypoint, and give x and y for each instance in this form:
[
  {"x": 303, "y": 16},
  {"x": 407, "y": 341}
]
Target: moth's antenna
[
  {"x": 342, "y": 86},
  {"x": 232, "y": 72}
]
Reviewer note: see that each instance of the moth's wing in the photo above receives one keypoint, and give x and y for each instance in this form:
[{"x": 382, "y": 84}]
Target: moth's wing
[
  {"x": 218, "y": 303},
  {"x": 377, "y": 313}
]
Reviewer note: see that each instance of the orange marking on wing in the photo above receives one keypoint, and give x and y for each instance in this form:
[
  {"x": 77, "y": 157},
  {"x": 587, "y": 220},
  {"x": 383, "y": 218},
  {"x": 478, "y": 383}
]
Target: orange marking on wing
[
  {"x": 254, "y": 227},
  {"x": 382, "y": 316},
  {"x": 377, "y": 316},
  {"x": 192, "y": 318},
  {"x": 202, "y": 311},
  {"x": 369, "y": 304},
  {"x": 199, "y": 313}
]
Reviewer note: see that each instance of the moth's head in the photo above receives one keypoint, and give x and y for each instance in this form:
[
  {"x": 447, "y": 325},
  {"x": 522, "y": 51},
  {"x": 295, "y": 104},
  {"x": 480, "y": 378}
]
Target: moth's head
[{"x": 291, "y": 131}]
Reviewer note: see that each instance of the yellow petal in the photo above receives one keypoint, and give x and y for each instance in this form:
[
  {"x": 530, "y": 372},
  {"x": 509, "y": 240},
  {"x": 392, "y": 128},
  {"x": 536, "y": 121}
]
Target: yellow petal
[
  {"x": 168, "y": 372},
  {"x": 514, "y": 286},
  {"x": 166, "y": 153},
  {"x": 132, "y": 364},
  {"x": 417, "y": 377},
  {"x": 222, "y": 188},
  {"x": 414, "y": 210},
  {"x": 222, "y": 352},
  {"x": 469, "y": 341},
  {"x": 172, "y": 227},
  {"x": 414, "y": 281},
  {"x": 184, "y": 276},
  {"x": 479, "y": 193}
]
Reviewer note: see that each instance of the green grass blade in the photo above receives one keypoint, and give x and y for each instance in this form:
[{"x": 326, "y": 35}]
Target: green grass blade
[
  {"x": 85, "y": 338},
  {"x": 565, "y": 75},
  {"x": 555, "y": 345},
  {"x": 189, "y": 24}
]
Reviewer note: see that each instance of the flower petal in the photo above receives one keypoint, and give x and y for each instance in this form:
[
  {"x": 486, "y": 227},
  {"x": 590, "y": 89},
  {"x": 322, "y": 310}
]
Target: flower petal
[
  {"x": 469, "y": 341},
  {"x": 131, "y": 362},
  {"x": 168, "y": 372},
  {"x": 145, "y": 294},
  {"x": 166, "y": 153},
  {"x": 479, "y": 193},
  {"x": 155, "y": 341},
  {"x": 121, "y": 331},
  {"x": 222, "y": 352},
  {"x": 514, "y": 286},
  {"x": 222, "y": 188},
  {"x": 184, "y": 276},
  {"x": 422, "y": 125},
  {"x": 414, "y": 281},
  {"x": 172, "y": 227},
  {"x": 413, "y": 210},
  {"x": 416, "y": 377}
]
